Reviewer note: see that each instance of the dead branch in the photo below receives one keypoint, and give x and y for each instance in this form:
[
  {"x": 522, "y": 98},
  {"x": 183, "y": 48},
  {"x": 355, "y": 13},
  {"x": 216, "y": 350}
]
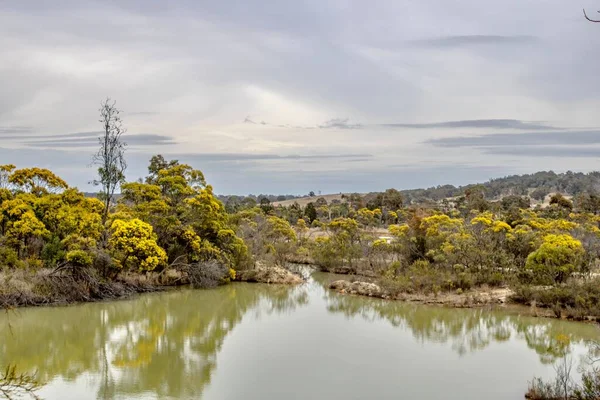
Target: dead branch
[{"x": 588, "y": 18}]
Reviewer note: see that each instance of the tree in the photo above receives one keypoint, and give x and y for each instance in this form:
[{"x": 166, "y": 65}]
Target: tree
[
  {"x": 310, "y": 212},
  {"x": 265, "y": 205},
  {"x": 555, "y": 259},
  {"x": 392, "y": 200},
  {"x": 561, "y": 201},
  {"x": 158, "y": 163},
  {"x": 136, "y": 243},
  {"x": 110, "y": 157},
  {"x": 320, "y": 202},
  {"x": 37, "y": 181},
  {"x": 311, "y": 194}
]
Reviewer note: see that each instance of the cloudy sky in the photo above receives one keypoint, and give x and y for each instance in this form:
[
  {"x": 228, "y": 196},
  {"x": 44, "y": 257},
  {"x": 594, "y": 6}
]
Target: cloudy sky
[{"x": 277, "y": 96}]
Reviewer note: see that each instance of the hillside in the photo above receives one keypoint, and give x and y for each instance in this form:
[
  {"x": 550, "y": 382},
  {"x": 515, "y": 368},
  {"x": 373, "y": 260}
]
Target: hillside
[
  {"x": 537, "y": 186},
  {"x": 303, "y": 201}
]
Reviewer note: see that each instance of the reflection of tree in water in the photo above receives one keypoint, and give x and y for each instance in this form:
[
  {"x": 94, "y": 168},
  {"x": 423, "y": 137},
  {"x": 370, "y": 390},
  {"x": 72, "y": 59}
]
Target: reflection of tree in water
[
  {"x": 164, "y": 344},
  {"x": 468, "y": 330}
]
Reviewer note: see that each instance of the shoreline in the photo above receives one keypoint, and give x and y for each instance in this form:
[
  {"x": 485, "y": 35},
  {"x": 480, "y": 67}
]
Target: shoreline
[
  {"x": 135, "y": 284},
  {"x": 42, "y": 288},
  {"x": 498, "y": 298}
]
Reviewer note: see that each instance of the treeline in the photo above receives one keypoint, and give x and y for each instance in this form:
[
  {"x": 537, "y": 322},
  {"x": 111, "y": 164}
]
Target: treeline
[
  {"x": 235, "y": 202},
  {"x": 172, "y": 218},
  {"x": 547, "y": 255},
  {"x": 58, "y": 244},
  {"x": 536, "y": 185}
]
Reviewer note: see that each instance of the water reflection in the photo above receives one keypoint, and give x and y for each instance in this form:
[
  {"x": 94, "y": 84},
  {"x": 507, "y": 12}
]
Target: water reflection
[
  {"x": 166, "y": 345},
  {"x": 467, "y": 330}
]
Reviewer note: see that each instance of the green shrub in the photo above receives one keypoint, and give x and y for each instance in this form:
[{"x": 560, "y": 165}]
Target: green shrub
[{"x": 9, "y": 258}]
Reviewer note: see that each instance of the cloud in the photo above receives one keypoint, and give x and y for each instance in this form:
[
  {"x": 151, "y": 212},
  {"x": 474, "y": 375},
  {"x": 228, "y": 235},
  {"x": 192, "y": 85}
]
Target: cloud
[
  {"x": 143, "y": 113},
  {"x": 521, "y": 139},
  {"x": 344, "y": 123},
  {"x": 477, "y": 123},
  {"x": 233, "y": 157},
  {"x": 474, "y": 40},
  {"x": 10, "y": 130},
  {"x": 89, "y": 140},
  {"x": 26, "y": 136},
  {"x": 316, "y": 77},
  {"x": 545, "y": 151},
  {"x": 339, "y": 123}
]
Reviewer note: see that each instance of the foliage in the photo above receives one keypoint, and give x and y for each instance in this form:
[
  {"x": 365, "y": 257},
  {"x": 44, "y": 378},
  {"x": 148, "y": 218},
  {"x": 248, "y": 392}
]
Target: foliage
[
  {"x": 555, "y": 260},
  {"x": 135, "y": 245}
]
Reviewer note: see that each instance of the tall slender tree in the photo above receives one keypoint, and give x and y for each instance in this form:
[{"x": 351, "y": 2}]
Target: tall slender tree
[{"x": 110, "y": 157}]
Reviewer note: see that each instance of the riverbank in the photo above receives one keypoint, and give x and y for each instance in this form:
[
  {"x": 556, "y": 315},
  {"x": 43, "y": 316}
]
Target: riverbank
[
  {"x": 474, "y": 298},
  {"x": 467, "y": 299},
  {"x": 44, "y": 287},
  {"x": 22, "y": 288},
  {"x": 264, "y": 274}
]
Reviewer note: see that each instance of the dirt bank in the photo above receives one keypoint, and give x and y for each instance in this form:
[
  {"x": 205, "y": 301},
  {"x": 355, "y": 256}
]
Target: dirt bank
[
  {"x": 470, "y": 298},
  {"x": 272, "y": 274},
  {"x": 26, "y": 288}
]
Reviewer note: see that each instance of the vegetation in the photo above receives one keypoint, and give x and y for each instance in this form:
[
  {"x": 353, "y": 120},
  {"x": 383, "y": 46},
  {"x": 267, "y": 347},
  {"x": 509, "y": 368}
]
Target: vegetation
[
  {"x": 547, "y": 254},
  {"x": 16, "y": 385},
  {"x": 58, "y": 245},
  {"x": 563, "y": 387}
]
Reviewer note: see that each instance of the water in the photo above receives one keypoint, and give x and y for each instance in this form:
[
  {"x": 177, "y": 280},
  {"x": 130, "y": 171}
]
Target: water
[{"x": 252, "y": 341}]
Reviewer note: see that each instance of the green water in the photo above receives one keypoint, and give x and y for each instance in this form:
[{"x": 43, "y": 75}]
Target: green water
[{"x": 252, "y": 341}]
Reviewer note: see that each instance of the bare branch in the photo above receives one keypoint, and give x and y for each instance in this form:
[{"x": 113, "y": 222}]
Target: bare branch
[
  {"x": 14, "y": 385},
  {"x": 588, "y": 18},
  {"x": 110, "y": 156}
]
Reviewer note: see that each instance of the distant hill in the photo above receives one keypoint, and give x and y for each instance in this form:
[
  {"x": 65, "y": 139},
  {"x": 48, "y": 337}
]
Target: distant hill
[
  {"x": 303, "y": 201},
  {"x": 537, "y": 186}
]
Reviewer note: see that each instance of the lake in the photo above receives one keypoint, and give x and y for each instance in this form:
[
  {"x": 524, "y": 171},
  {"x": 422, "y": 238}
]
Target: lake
[{"x": 255, "y": 341}]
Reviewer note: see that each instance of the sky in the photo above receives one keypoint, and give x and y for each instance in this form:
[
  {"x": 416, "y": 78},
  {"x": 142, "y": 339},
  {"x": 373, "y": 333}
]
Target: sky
[{"x": 287, "y": 97}]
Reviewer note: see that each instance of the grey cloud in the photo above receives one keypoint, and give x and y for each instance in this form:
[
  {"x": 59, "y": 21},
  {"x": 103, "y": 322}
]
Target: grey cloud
[
  {"x": 474, "y": 40},
  {"x": 344, "y": 123},
  {"x": 339, "y": 123},
  {"x": 90, "y": 139},
  {"x": 478, "y": 123},
  {"x": 4, "y": 130},
  {"x": 545, "y": 151},
  {"x": 203, "y": 64},
  {"x": 75, "y": 136},
  {"x": 232, "y": 157},
  {"x": 143, "y": 113},
  {"x": 247, "y": 120},
  {"x": 521, "y": 139}
]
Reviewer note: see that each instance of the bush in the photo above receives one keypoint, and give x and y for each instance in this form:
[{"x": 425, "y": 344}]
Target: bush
[
  {"x": 9, "y": 258},
  {"x": 53, "y": 251},
  {"x": 576, "y": 299},
  {"x": 79, "y": 258},
  {"x": 208, "y": 274}
]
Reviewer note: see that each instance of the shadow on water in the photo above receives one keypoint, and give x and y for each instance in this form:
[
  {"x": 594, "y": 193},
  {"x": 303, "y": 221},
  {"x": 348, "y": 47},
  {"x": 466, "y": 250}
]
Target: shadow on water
[{"x": 166, "y": 344}]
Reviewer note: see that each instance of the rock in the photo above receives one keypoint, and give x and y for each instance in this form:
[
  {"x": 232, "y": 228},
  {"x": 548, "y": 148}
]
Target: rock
[
  {"x": 264, "y": 274},
  {"x": 360, "y": 288}
]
